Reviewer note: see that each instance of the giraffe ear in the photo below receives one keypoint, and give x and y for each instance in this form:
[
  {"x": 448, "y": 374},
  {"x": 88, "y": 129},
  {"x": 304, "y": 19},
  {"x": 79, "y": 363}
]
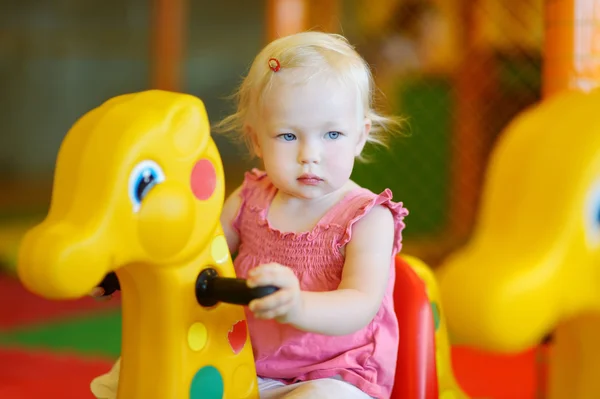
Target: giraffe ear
[{"x": 189, "y": 127}]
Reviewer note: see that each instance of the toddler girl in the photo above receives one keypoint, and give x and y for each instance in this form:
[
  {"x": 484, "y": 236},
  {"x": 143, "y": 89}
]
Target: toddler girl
[{"x": 306, "y": 110}]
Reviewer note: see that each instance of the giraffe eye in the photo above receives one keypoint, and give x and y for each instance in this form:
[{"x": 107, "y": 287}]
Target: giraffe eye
[
  {"x": 592, "y": 215},
  {"x": 144, "y": 176}
]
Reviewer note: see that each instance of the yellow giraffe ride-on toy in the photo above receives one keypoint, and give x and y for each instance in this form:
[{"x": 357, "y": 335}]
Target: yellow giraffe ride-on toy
[
  {"x": 531, "y": 267},
  {"x": 137, "y": 196},
  {"x": 138, "y": 190}
]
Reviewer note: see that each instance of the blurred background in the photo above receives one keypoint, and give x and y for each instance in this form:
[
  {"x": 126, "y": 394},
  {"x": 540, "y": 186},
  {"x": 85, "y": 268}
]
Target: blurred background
[{"x": 458, "y": 70}]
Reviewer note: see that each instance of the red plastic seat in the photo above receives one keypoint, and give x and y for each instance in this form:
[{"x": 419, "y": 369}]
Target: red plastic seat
[{"x": 416, "y": 374}]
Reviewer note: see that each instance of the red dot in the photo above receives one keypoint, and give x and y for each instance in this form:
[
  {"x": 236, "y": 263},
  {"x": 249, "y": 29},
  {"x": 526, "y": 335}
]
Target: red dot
[
  {"x": 237, "y": 336},
  {"x": 204, "y": 179}
]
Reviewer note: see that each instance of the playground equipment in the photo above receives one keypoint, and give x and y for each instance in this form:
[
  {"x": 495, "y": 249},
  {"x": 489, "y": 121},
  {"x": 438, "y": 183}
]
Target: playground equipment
[
  {"x": 424, "y": 366},
  {"x": 138, "y": 190},
  {"x": 531, "y": 267},
  {"x": 136, "y": 200}
]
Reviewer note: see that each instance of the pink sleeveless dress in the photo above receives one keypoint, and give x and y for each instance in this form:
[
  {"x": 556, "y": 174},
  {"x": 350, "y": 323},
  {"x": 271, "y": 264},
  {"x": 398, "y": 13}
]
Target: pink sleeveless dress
[{"x": 366, "y": 358}]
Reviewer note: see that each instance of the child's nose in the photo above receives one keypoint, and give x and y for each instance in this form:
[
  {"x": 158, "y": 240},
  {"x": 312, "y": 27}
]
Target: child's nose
[{"x": 308, "y": 154}]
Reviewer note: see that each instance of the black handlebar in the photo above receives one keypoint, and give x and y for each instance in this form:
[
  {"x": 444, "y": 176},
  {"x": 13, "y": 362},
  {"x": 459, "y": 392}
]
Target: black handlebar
[
  {"x": 110, "y": 284},
  {"x": 210, "y": 289}
]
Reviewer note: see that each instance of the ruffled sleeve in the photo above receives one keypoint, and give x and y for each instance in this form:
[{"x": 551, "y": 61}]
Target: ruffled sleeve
[
  {"x": 252, "y": 191},
  {"x": 362, "y": 206}
]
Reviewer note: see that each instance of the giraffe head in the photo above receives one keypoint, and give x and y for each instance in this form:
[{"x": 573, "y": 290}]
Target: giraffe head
[
  {"x": 137, "y": 180},
  {"x": 534, "y": 258}
]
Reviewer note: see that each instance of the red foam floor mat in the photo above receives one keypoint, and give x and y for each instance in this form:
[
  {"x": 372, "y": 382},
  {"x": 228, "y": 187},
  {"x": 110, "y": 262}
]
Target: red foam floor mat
[
  {"x": 36, "y": 375},
  {"x": 19, "y": 307},
  {"x": 484, "y": 375}
]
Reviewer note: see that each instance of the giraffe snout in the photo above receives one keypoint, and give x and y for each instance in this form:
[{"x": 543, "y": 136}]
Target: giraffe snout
[
  {"x": 500, "y": 303},
  {"x": 61, "y": 261}
]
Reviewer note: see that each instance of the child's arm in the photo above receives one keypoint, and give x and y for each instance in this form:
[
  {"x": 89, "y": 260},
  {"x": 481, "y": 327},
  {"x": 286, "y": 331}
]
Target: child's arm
[
  {"x": 230, "y": 211},
  {"x": 357, "y": 300}
]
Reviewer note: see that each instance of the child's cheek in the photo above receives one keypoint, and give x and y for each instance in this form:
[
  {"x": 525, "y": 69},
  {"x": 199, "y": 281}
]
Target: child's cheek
[{"x": 341, "y": 163}]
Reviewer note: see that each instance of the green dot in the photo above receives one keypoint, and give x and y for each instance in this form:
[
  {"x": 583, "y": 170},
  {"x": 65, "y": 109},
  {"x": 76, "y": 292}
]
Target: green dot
[
  {"x": 436, "y": 315},
  {"x": 207, "y": 384}
]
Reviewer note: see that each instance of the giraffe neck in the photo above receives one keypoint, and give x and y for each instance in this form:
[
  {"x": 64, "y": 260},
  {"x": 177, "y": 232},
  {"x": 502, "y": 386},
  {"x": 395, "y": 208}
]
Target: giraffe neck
[
  {"x": 173, "y": 348},
  {"x": 158, "y": 305},
  {"x": 575, "y": 359}
]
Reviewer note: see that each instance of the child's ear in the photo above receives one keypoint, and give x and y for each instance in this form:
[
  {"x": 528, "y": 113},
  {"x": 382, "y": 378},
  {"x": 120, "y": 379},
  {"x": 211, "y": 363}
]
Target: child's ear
[
  {"x": 250, "y": 132},
  {"x": 364, "y": 135}
]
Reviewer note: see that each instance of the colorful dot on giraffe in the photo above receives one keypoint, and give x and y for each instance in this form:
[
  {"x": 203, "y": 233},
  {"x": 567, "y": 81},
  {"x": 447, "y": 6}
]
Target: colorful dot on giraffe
[
  {"x": 244, "y": 378},
  {"x": 207, "y": 384},
  {"x": 219, "y": 249},
  {"x": 237, "y": 336},
  {"x": 197, "y": 336},
  {"x": 203, "y": 179}
]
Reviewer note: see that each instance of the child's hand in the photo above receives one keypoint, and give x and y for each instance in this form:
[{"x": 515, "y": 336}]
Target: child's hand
[{"x": 285, "y": 304}]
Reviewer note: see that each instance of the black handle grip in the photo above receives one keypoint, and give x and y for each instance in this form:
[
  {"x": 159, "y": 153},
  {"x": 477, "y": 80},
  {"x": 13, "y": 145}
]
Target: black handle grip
[
  {"x": 110, "y": 284},
  {"x": 212, "y": 289}
]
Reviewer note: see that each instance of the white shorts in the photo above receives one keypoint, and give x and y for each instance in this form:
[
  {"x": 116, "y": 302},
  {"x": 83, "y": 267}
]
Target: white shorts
[{"x": 326, "y": 388}]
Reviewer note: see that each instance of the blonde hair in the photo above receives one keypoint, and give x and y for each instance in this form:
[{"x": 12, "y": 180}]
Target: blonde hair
[{"x": 319, "y": 52}]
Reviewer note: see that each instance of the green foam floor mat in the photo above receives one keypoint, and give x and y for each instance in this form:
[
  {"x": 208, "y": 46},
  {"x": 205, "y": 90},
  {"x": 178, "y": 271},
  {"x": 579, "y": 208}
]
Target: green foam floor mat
[{"x": 98, "y": 334}]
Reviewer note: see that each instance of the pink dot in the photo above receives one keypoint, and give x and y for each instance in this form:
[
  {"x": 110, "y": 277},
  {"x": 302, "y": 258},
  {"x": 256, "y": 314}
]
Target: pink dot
[{"x": 204, "y": 179}]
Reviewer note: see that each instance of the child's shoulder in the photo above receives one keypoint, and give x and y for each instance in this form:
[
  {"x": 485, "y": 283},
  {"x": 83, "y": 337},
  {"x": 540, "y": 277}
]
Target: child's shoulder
[
  {"x": 375, "y": 212},
  {"x": 366, "y": 200}
]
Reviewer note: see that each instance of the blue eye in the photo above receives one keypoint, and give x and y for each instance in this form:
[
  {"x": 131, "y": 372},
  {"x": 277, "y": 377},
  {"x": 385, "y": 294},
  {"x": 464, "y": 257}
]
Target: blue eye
[
  {"x": 333, "y": 135},
  {"x": 144, "y": 176},
  {"x": 288, "y": 136}
]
